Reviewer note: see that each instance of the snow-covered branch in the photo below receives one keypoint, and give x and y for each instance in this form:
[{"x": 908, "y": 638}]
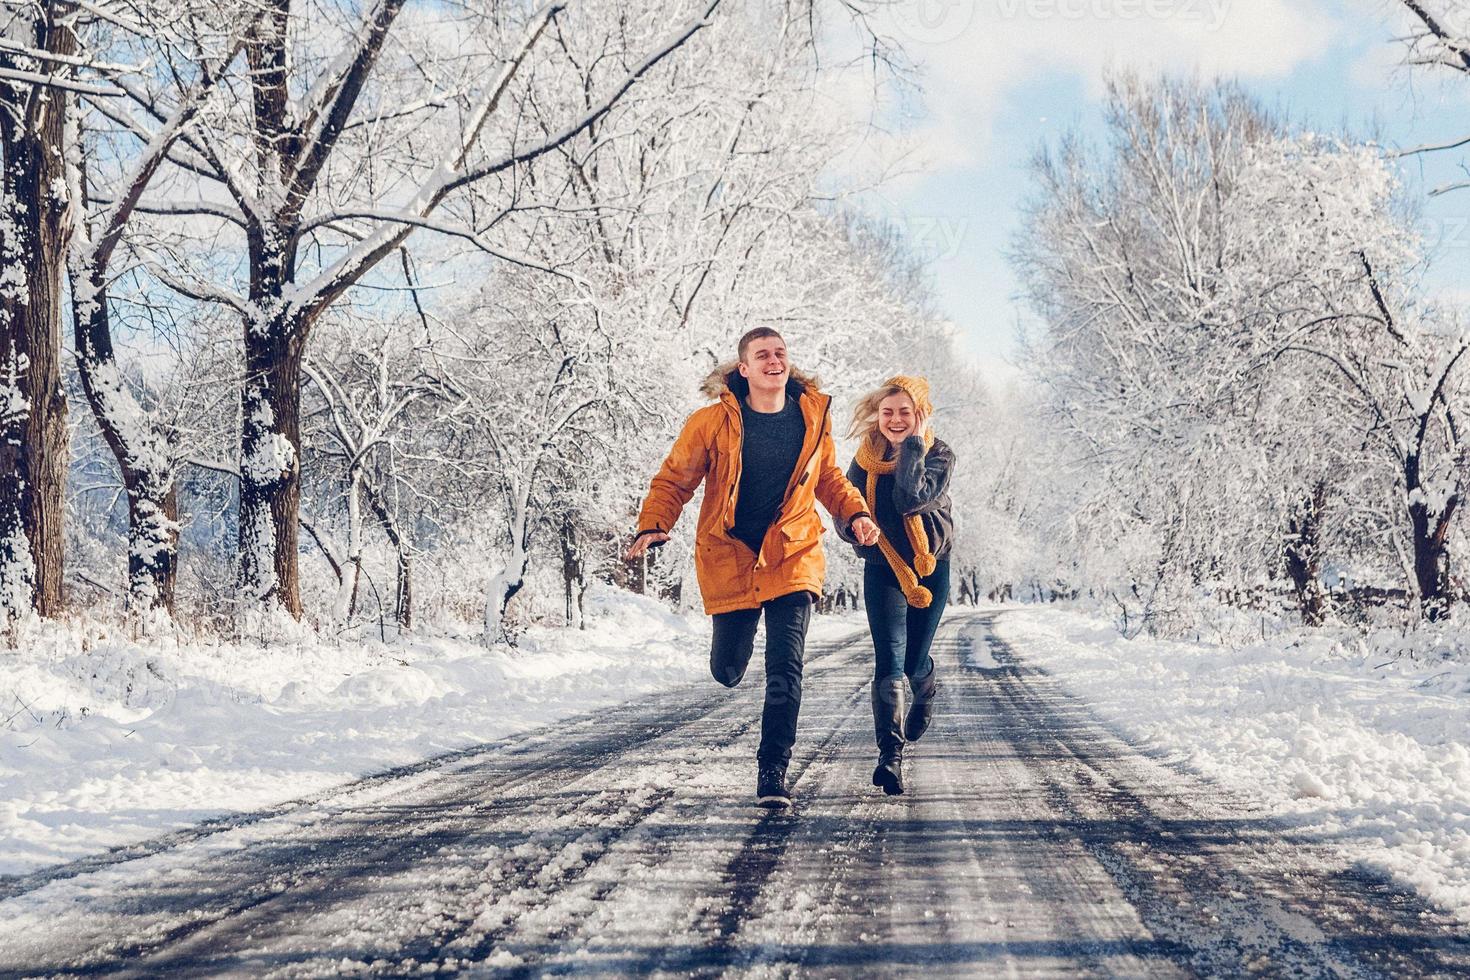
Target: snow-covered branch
[{"x": 453, "y": 172}]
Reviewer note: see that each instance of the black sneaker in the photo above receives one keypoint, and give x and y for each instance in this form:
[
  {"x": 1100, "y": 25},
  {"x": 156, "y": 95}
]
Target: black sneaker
[{"x": 770, "y": 787}]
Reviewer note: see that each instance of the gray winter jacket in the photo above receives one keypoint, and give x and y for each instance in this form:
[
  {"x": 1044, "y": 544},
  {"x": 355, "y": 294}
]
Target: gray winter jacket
[{"x": 919, "y": 484}]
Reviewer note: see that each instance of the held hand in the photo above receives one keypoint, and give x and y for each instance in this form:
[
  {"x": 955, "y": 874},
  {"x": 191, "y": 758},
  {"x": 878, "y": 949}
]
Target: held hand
[
  {"x": 643, "y": 543},
  {"x": 865, "y": 531}
]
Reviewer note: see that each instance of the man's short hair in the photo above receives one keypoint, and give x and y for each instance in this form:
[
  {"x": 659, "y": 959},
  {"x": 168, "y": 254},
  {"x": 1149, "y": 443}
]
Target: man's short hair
[{"x": 759, "y": 333}]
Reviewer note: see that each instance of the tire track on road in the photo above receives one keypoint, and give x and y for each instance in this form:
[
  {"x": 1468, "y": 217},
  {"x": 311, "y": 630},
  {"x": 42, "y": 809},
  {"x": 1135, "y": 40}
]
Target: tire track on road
[
  {"x": 906, "y": 886},
  {"x": 462, "y": 805},
  {"x": 1228, "y": 892},
  {"x": 1033, "y": 841}
]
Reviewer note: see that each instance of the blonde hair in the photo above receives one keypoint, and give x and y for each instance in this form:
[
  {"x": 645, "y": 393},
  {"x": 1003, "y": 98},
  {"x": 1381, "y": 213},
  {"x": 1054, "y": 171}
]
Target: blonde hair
[{"x": 865, "y": 412}]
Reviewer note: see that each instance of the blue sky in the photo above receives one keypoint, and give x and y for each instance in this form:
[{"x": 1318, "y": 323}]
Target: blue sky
[{"x": 1002, "y": 76}]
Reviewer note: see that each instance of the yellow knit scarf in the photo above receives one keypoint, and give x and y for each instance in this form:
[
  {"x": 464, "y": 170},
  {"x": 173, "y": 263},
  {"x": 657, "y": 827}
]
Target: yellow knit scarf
[{"x": 870, "y": 458}]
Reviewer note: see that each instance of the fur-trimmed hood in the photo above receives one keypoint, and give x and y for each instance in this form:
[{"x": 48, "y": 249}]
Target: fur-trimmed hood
[{"x": 725, "y": 378}]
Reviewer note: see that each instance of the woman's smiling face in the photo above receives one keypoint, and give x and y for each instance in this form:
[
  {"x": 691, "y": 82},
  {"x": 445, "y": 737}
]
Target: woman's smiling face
[{"x": 897, "y": 418}]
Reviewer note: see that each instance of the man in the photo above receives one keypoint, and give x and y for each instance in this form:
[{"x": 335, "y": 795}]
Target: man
[{"x": 764, "y": 450}]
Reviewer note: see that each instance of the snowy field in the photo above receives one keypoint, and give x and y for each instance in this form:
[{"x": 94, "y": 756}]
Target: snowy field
[
  {"x": 106, "y": 741},
  {"x": 1364, "y": 741}
]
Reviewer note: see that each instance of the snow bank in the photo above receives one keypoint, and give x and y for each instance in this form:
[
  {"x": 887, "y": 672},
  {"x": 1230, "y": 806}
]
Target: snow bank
[
  {"x": 1365, "y": 741},
  {"x": 106, "y": 741}
]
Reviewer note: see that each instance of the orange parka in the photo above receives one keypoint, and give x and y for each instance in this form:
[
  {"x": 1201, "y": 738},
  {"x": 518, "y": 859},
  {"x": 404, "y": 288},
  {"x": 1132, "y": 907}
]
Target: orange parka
[{"x": 708, "y": 449}]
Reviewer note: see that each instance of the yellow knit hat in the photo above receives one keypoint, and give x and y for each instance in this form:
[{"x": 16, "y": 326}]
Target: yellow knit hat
[{"x": 916, "y": 388}]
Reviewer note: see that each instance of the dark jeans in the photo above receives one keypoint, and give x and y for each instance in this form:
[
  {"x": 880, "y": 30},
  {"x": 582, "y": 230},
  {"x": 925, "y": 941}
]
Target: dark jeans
[
  {"x": 787, "y": 619},
  {"x": 901, "y": 633}
]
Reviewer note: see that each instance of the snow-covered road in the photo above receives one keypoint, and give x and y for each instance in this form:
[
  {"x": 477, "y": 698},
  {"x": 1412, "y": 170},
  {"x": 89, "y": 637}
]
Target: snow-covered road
[{"x": 1032, "y": 842}]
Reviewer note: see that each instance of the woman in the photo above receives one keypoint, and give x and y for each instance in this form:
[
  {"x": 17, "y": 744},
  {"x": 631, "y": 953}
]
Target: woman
[{"x": 903, "y": 472}]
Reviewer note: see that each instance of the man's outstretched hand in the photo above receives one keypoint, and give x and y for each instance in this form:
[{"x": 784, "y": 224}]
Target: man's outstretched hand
[
  {"x": 864, "y": 530},
  {"x": 642, "y": 543}
]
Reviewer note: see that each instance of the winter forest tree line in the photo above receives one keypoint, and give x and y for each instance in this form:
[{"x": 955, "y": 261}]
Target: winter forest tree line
[
  {"x": 1251, "y": 397},
  {"x": 381, "y": 315},
  {"x": 390, "y": 308}
]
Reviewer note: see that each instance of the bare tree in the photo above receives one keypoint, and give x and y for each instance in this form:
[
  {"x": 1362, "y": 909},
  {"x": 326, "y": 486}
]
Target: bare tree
[
  {"x": 36, "y": 93},
  {"x": 141, "y": 445},
  {"x": 1232, "y": 335},
  {"x": 1343, "y": 296},
  {"x": 623, "y": 212},
  {"x": 292, "y": 144},
  {"x": 1439, "y": 40},
  {"x": 366, "y": 398}
]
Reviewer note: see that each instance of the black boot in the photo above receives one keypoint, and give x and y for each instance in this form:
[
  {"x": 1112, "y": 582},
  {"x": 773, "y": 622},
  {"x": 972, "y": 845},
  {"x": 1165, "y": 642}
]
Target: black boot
[
  {"x": 770, "y": 787},
  {"x": 888, "y": 727},
  {"x": 921, "y": 709}
]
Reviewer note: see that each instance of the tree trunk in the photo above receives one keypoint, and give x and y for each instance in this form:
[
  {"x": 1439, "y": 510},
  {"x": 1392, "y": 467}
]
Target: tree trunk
[
  {"x": 143, "y": 456},
  {"x": 403, "y": 601},
  {"x": 640, "y": 571},
  {"x": 345, "y": 605},
  {"x": 17, "y": 568},
  {"x": 33, "y": 238},
  {"x": 1303, "y": 555},
  {"x": 573, "y": 573},
  {"x": 568, "y": 576},
  {"x": 1429, "y": 526},
  {"x": 503, "y": 588},
  {"x": 270, "y": 464},
  {"x": 511, "y": 577},
  {"x": 403, "y": 598},
  {"x": 153, "y": 545},
  {"x": 582, "y": 588},
  {"x": 1431, "y": 557},
  {"x": 275, "y": 339}
]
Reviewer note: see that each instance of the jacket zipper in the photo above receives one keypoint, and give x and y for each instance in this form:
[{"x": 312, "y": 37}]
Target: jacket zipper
[{"x": 735, "y": 483}]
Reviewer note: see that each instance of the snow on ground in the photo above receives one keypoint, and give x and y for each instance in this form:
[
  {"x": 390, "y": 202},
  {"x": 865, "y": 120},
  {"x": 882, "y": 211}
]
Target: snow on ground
[
  {"x": 1363, "y": 740},
  {"x": 106, "y": 741}
]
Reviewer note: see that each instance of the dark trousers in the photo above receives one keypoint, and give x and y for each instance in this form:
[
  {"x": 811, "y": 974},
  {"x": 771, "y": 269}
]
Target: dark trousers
[
  {"x": 787, "y": 619},
  {"x": 902, "y": 634}
]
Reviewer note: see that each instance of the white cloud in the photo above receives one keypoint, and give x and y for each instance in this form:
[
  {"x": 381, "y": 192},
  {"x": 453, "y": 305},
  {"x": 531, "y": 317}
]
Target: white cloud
[
  {"x": 984, "y": 57},
  {"x": 978, "y": 53}
]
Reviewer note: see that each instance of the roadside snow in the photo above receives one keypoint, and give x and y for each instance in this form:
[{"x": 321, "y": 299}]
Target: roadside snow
[
  {"x": 106, "y": 741},
  {"x": 1363, "y": 741}
]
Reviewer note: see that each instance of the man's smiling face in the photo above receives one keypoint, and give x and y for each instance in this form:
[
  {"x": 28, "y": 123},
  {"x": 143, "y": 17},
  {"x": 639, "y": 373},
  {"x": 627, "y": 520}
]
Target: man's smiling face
[{"x": 764, "y": 365}]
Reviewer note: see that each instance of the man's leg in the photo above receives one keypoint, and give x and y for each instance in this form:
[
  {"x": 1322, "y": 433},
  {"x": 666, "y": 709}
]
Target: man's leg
[
  {"x": 732, "y": 644},
  {"x": 787, "y": 619}
]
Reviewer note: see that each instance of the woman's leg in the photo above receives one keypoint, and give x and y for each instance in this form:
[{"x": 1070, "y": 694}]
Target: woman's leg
[
  {"x": 887, "y": 622},
  {"x": 918, "y": 662},
  {"x": 924, "y": 623}
]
